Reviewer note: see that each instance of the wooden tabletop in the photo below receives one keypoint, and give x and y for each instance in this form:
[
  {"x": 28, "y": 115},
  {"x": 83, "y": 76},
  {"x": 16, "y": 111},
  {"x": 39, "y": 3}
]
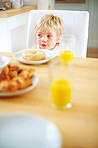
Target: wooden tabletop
[
  {"x": 79, "y": 125},
  {"x": 12, "y": 12}
]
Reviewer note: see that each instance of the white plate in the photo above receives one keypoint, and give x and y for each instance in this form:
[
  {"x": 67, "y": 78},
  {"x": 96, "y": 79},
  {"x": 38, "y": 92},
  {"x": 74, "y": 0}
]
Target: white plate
[
  {"x": 22, "y": 91},
  {"x": 49, "y": 55},
  {"x": 3, "y": 61},
  {"x": 26, "y": 131}
]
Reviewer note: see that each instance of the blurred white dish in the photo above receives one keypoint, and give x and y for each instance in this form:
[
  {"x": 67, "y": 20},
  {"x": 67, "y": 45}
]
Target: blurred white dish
[
  {"x": 26, "y": 131},
  {"x": 49, "y": 55},
  {"x": 22, "y": 91},
  {"x": 3, "y": 61}
]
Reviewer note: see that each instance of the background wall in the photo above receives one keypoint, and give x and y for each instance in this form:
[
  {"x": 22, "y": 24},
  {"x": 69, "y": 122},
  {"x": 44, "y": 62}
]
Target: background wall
[
  {"x": 30, "y": 2},
  {"x": 92, "y": 7},
  {"x": 20, "y": 34}
]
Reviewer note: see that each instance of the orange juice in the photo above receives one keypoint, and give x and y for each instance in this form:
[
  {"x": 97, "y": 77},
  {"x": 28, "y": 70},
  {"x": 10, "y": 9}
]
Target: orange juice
[
  {"x": 61, "y": 92},
  {"x": 66, "y": 55}
]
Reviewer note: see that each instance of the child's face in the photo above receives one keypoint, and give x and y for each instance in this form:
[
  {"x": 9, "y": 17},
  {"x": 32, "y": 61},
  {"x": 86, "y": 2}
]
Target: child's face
[{"x": 47, "y": 38}]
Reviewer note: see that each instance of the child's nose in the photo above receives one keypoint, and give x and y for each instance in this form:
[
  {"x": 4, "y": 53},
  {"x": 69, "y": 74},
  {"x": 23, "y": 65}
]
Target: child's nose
[{"x": 44, "y": 38}]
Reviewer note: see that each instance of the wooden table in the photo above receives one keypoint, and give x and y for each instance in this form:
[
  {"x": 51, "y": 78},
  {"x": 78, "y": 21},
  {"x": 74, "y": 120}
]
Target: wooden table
[{"x": 79, "y": 125}]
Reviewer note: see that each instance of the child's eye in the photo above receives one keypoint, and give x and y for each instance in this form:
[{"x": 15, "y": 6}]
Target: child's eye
[
  {"x": 39, "y": 35},
  {"x": 49, "y": 36}
]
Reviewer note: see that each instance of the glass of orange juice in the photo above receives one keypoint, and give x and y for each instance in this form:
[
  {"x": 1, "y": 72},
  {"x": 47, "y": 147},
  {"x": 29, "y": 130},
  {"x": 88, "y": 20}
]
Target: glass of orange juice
[
  {"x": 60, "y": 84},
  {"x": 67, "y": 47},
  {"x": 66, "y": 56}
]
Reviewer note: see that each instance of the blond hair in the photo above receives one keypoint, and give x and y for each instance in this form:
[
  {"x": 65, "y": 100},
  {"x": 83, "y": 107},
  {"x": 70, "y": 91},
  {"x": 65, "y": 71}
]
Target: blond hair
[{"x": 49, "y": 20}]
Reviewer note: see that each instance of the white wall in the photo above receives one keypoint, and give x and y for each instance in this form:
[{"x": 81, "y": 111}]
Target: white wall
[
  {"x": 19, "y": 35},
  {"x": 30, "y": 2},
  {"x": 51, "y": 3},
  {"x": 92, "y": 7}
]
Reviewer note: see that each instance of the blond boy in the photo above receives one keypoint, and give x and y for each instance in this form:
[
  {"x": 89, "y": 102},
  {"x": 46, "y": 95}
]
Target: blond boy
[{"x": 48, "y": 29}]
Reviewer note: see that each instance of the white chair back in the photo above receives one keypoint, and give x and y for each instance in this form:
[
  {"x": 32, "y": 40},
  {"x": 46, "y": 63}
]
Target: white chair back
[{"x": 75, "y": 23}]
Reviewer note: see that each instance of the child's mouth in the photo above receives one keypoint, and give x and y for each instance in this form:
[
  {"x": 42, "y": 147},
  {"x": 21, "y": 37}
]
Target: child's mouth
[{"x": 44, "y": 45}]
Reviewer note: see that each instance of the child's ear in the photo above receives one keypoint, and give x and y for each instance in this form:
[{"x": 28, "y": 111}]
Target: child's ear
[{"x": 57, "y": 39}]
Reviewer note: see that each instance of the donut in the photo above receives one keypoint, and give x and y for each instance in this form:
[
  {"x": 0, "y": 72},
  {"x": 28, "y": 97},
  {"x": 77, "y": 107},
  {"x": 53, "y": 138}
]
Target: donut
[{"x": 34, "y": 55}]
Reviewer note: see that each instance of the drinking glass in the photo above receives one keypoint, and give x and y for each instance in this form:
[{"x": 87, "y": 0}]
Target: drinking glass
[
  {"x": 60, "y": 84},
  {"x": 67, "y": 47}
]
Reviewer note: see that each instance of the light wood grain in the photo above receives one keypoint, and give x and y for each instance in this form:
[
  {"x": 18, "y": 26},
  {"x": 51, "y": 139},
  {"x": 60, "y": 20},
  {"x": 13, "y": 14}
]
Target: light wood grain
[
  {"x": 13, "y": 12},
  {"x": 79, "y": 125}
]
